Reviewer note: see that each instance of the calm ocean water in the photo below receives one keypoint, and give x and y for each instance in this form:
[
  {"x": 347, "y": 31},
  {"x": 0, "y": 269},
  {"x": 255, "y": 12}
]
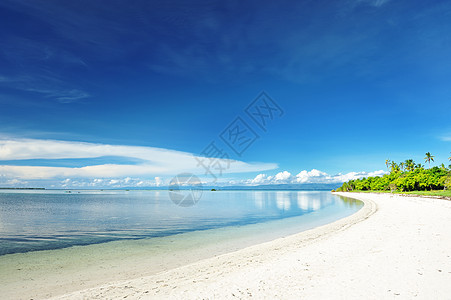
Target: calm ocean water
[{"x": 45, "y": 220}]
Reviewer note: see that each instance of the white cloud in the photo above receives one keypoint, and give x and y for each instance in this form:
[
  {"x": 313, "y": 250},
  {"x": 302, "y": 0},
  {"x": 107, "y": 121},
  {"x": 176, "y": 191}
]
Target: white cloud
[
  {"x": 154, "y": 161},
  {"x": 282, "y": 176},
  {"x": 306, "y": 176},
  {"x": 110, "y": 183},
  {"x": 312, "y": 176},
  {"x": 259, "y": 179},
  {"x": 153, "y": 169},
  {"x": 15, "y": 182},
  {"x": 158, "y": 181}
]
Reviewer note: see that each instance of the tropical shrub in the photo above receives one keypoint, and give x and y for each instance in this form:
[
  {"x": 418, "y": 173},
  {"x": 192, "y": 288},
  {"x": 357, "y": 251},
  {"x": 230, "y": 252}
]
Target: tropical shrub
[{"x": 414, "y": 178}]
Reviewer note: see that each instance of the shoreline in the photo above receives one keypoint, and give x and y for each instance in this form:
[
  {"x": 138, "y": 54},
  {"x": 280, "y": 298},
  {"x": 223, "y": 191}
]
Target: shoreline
[
  {"x": 239, "y": 257},
  {"x": 49, "y": 273},
  {"x": 393, "y": 247}
]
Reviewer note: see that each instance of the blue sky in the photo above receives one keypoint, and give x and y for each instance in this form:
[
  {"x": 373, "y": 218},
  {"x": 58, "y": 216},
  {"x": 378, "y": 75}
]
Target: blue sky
[{"x": 359, "y": 81}]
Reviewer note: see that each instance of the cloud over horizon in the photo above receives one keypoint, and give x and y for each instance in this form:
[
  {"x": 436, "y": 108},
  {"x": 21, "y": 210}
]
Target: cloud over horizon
[
  {"x": 150, "y": 161},
  {"x": 152, "y": 167},
  {"x": 313, "y": 176}
]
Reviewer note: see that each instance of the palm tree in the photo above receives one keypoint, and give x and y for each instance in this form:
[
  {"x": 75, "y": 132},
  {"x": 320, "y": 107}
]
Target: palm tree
[
  {"x": 410, "y": 165},
  {"x": 401, "y": 166},
  {"x": 388, "y": 161},
  {"x": 394, "y": 167},
  {"x": 428, "y": 158}
]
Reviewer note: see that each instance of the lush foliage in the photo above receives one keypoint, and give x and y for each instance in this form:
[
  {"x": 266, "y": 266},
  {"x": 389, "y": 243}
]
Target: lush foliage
[{"x": 404, "y": 177}]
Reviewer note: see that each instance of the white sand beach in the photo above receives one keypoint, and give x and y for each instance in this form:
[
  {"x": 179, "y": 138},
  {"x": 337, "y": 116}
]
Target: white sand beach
[{"x": 394, "y": 247}]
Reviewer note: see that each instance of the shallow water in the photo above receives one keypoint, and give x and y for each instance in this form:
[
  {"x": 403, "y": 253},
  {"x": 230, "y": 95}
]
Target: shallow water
[
  {"x": 46, "y": 220},
  {"x": 97, "y": 237}
]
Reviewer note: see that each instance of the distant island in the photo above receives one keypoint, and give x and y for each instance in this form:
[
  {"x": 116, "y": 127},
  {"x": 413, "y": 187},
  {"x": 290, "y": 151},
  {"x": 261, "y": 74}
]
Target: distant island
[{"x": 406, "y": 176}]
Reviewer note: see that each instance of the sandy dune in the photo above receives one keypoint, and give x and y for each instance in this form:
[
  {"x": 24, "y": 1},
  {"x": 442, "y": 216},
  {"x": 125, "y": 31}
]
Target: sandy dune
[{"x": 394, "y": 247}]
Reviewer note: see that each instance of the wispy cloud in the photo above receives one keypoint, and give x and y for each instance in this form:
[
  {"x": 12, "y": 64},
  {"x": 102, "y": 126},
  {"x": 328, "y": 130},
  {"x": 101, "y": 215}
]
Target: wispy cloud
[
  {"x": 445, "y": 137},
  {"x": 68, "y": 96},
  {"x": 48, "y": 86},
  {"x": 376, "y": 3},
  {"x": 352, "y": 4},
  {"x": 155, "y": 161},
  {"x": 23, "y": 51},
  {"x": 29, "y": 63},
  {"x": 296, "y": 54}
]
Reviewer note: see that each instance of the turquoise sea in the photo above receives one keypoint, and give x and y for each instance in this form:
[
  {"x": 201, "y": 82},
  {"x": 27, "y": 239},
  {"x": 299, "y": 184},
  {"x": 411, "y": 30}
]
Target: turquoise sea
[
  {"x": 55, "y": 242},
  {"x": 55, "y": 219}
]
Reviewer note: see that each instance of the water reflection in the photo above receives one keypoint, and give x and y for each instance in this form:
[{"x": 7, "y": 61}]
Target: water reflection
[
  {"x": 283, "y": 200},
  {"x": 38, "y": 220},
  {"x": 259, "y": 199},
  {"x": 303, "y": 201},
  {"x": 306, "y": 201},
  {"x": 293, "y": 200}
]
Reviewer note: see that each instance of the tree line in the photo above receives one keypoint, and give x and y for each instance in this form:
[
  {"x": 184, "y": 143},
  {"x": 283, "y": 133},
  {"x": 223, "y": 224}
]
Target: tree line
[{"x": 405, "y": 176}]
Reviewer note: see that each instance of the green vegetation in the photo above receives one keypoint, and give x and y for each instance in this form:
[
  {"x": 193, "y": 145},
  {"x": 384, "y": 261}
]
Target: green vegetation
[
  {"x": 429, "y": 158},
  {"x": 406, "y": 176}
]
